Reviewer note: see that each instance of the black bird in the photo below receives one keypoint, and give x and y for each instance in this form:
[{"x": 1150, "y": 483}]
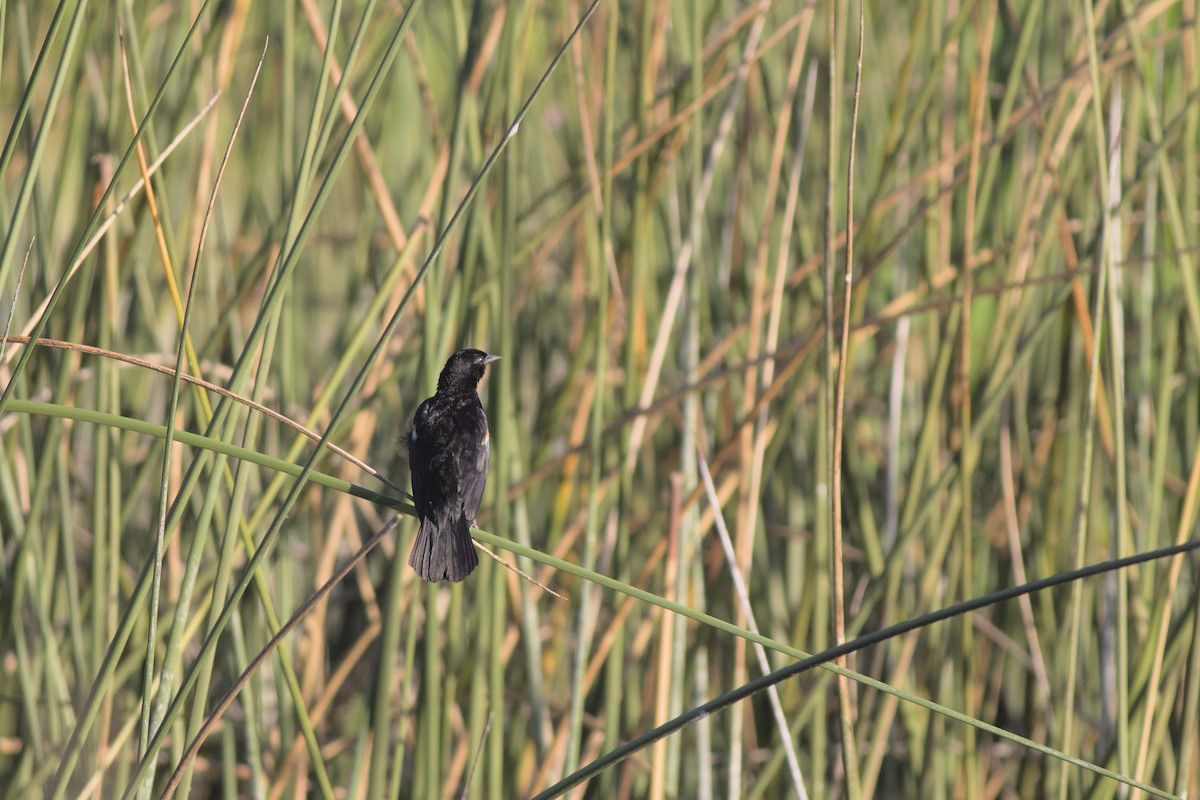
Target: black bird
[{"x": 448, "y": 455}]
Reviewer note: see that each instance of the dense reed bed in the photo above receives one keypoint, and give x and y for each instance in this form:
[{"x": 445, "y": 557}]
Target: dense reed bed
[{"x": 794, "y": 350}]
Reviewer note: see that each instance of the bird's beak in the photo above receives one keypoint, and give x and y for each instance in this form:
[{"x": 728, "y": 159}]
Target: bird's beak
[{"x": 490, "y": 357}]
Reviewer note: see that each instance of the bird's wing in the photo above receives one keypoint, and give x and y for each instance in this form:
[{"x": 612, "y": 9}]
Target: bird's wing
[
  {"x": 420, "y": 461},
  {"x": 473, "y": 472}
]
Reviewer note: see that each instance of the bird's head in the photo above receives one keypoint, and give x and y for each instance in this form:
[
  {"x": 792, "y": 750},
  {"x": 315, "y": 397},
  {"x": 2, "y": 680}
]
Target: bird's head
[{"x": 464, "y": 370}]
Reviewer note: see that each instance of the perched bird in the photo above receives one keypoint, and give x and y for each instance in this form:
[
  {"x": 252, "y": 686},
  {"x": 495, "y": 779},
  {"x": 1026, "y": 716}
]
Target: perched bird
[{"x": 448, "y": 454}]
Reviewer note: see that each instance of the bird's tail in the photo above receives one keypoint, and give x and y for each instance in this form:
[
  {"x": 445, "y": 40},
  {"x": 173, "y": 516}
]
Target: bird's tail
[{"x": 443, "y": 552}]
